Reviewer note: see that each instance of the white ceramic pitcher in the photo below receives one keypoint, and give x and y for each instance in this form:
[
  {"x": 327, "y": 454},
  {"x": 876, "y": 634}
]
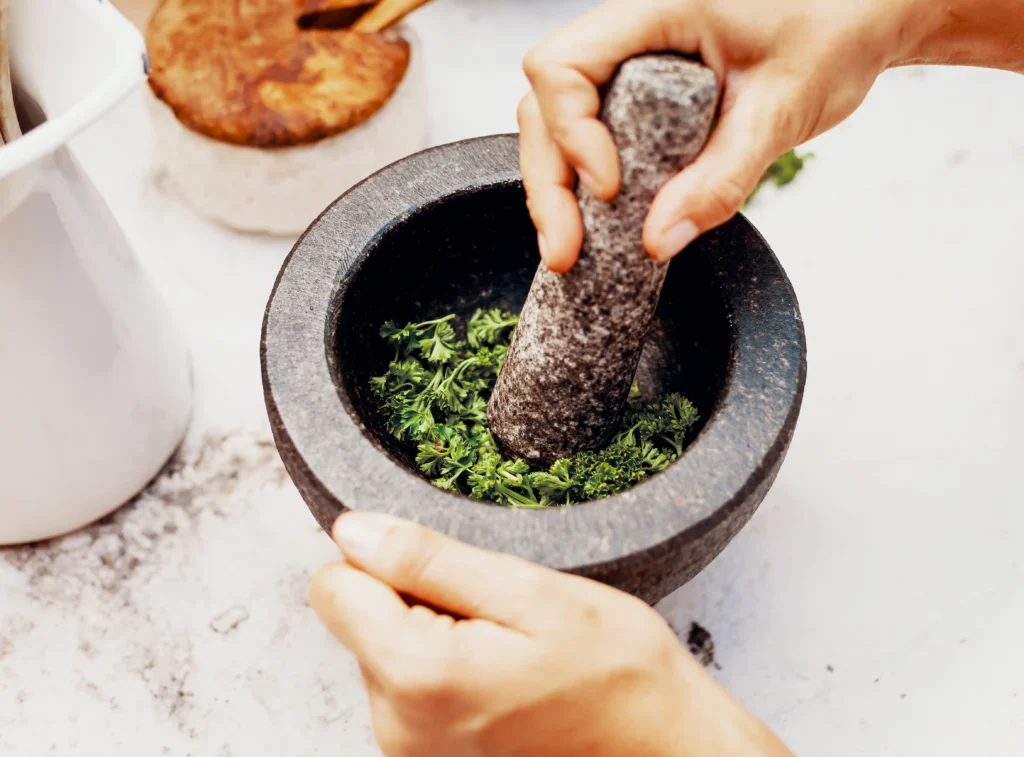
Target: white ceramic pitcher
[{"x": 95, "y": 380}]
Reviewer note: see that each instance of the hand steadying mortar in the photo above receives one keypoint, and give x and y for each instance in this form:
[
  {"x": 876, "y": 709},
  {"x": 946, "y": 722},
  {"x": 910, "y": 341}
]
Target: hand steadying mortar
[{"x": 576, "y": 348}]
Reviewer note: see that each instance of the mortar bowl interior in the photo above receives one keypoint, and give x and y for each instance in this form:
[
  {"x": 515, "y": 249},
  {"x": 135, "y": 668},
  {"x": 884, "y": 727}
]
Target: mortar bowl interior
[
  {"x": 447, "y": 231},
  {"x": 478, "y": 249}
]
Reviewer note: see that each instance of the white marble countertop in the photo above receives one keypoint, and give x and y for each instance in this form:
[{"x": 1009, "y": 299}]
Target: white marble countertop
[{"x": 875, "y": 604}]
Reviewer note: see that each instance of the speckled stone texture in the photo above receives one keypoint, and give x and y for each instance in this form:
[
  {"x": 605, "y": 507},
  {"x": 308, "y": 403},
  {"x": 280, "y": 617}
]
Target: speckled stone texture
[
  {"x": 447, "y": 231},
  {"x": 577, "y": 347}
]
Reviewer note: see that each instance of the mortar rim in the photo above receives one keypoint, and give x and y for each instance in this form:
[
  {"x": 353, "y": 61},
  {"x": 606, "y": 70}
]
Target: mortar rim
[{"x": 310, "y": 421}]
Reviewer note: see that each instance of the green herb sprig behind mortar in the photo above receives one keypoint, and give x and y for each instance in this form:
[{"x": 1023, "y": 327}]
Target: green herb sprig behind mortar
[
  {"x": 435, "y": 393},
  {"x": 782, "y": 172}
]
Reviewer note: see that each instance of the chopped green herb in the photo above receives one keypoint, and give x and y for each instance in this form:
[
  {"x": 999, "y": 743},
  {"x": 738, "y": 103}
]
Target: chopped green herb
[
  {"x": 435, "y": 393},
  {"x": 782, "y": 171},
  {"x": 489, "y": 327}
]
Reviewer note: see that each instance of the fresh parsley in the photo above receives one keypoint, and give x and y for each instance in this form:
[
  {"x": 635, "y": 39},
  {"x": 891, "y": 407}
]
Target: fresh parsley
[
  {"x": 782, "y": 171},
  {"x": 434, "y": 395}
]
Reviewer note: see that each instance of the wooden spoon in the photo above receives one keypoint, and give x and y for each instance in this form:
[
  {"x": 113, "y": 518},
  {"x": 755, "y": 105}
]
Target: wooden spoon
[
  {"x": 9, "y": 128},
  {"x": 385, "y": 14}
]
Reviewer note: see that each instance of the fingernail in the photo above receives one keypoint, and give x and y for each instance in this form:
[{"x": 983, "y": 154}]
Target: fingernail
[
  {"x": 359, "y": 534},
  {"x": 542, "y": 245},
  {"x": 675, "y": 239},
  {"x": 587, "y": 180}
]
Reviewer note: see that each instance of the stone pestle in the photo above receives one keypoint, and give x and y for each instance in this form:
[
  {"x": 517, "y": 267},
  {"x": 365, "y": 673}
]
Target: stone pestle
[{"x": 575, "y": 351}]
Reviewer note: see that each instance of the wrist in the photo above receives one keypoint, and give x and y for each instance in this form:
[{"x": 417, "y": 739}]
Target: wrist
[
  {"x": 711, "y": 723},
  {"x": 984, "y": 33}
]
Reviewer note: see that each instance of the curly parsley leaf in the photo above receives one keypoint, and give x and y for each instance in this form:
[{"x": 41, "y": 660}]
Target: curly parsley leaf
[{"x": 434, "y": 394}]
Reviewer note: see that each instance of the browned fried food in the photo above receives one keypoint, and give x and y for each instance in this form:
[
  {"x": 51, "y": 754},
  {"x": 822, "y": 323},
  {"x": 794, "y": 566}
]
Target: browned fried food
[{"x": 242, "y": 71}]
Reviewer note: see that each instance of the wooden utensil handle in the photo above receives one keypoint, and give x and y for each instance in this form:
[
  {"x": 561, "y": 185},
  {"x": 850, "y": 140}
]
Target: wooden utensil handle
[{"x": 385, "y": 14}]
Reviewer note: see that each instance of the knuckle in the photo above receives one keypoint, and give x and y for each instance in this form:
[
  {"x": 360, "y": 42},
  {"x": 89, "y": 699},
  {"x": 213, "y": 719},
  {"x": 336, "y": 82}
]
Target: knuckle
[
  {"x": 534, "y": 208},
  {"x": 591, "y": 615},
  {"x": 535, "y": 582},
  {"x": 724, "y": 198},
  {"x": 411, "y": 550},
  {"x": 603, "y": 610},
  {"x": 789, "y": 118},
  {"x": 327, "y": 590},
  {"x": 783, "y": 121},
  {"x": 526, "y": 110},
  {"x": 561, "y": 127},
  {"x": 320, "y": 589},
  {"x": 820, "y": 117},
  {"x": 537, "y": 62}
]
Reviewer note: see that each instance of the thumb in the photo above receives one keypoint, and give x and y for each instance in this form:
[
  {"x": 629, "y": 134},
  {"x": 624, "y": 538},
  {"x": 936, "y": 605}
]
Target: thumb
[
  {"x": 448, "y": 574},
  {"x": 707, "y": 193}
]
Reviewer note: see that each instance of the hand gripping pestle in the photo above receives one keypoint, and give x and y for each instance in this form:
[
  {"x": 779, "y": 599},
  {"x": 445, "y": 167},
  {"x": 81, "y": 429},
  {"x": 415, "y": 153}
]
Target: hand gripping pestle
[{"x": 575, "y": 352}]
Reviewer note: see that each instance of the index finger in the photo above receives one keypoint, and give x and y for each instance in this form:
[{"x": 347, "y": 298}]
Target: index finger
[
  {"x": 362, "y": 613},
  {"x": 550, "y": 195},
  {"x": 567, "y": 69}
]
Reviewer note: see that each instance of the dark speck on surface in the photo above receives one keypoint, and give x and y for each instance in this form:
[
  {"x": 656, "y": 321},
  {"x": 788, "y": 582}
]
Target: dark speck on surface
[{"x": 701, "y": 645}]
